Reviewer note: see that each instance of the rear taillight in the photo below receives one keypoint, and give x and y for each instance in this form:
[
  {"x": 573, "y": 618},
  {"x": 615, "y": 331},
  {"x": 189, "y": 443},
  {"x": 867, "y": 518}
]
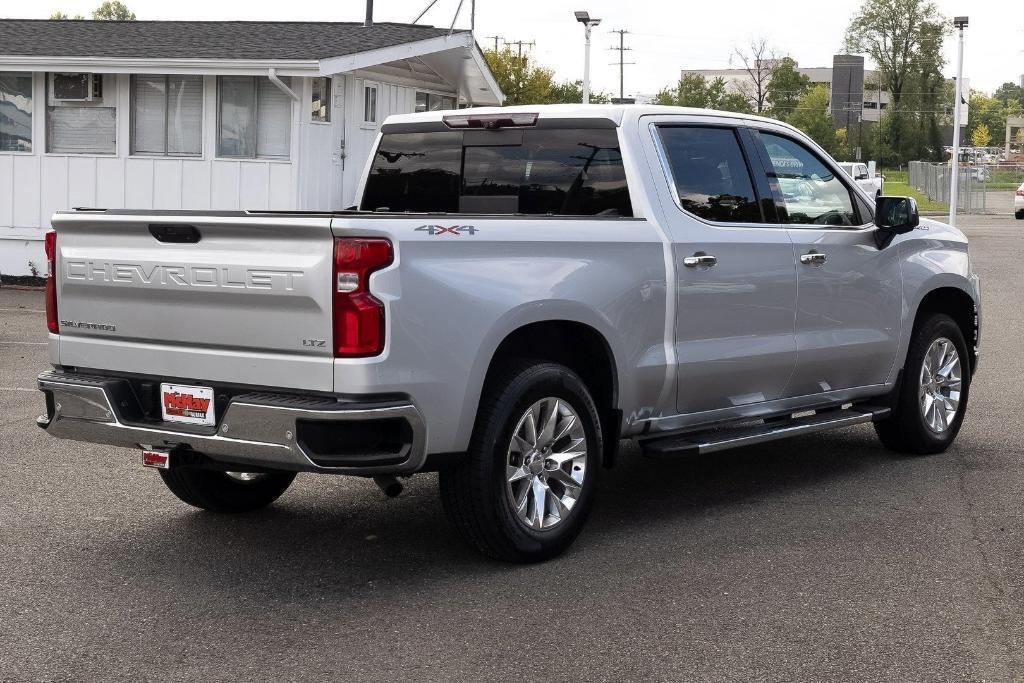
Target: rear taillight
[
  {"x": 1020, "y": 193},
  {"x": 50, "y": 246},
  {"x": 358, "y": 316}
]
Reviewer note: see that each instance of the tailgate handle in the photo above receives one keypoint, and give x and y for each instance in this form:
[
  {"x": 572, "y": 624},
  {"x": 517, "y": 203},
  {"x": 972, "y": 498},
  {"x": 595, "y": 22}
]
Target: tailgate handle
[{"x": 175, "y": 234}]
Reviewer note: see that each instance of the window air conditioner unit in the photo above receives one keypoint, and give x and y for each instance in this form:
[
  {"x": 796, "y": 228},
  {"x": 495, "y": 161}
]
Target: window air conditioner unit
[{"x": 75, "y": 87}]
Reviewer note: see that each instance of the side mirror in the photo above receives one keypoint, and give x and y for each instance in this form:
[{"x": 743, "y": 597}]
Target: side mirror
[{"x": 894, "y": 216}]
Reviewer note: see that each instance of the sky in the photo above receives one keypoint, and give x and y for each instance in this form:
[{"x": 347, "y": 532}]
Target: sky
[{"x": 665, "y": 35}]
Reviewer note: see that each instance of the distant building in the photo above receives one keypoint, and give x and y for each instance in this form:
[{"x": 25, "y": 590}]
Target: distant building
[{"x": 854, "y": 90}]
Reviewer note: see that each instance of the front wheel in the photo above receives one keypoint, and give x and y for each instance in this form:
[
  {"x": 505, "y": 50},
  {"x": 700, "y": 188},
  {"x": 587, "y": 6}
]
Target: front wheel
[
  {"x": 525, "y": 487},
  {"x": 933, "y": 394},
  {"x": 226, "y": 491}
]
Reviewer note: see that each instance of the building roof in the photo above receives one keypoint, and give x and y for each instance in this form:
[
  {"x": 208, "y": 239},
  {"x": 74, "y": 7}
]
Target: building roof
[{"x": 243, "y": 40}]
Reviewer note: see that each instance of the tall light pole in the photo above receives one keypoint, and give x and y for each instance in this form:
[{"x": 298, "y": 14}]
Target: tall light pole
[
  {"x": 960, "y": 23},
  {"x": 588, "y": 26}
]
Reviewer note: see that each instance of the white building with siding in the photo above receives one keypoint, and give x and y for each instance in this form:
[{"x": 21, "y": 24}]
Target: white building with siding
[{"x": 206, "y": 115}]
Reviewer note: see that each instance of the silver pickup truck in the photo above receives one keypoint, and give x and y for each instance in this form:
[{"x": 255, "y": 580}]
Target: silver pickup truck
[{"x": 517, "y": 291}]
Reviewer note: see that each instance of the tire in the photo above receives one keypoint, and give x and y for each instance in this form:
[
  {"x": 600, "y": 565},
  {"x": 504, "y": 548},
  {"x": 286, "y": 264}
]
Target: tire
[
  {"x": 221, "y": 492},
  {"x": 479, "y": 494},
  {"x": 908, "y": 428},
  {"x": 1019, "y": 215}
]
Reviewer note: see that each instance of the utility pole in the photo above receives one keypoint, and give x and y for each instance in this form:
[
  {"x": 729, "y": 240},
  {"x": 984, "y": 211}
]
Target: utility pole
[
  {"x": 495, "y": 39},
  {"x": 622, "y": 59},
  {"x": 519, "y": 44},
  {"x": 960, "y": 23}
]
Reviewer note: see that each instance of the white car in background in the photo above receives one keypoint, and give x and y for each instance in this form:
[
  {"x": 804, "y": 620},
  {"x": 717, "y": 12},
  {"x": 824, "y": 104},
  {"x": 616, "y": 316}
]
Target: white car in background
[
  {"x": 1018, "y": 203},
  {"x": 859, "y": 173}
]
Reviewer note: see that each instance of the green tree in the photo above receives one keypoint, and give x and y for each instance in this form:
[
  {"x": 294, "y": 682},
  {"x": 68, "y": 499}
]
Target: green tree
[
  {"x": 571, "y": 92},
  {"x": 900, "y": 36},
  {"x": 981, "y": 136},
  {"x": 693, "y": 90},
  {"x": 811, "y": 115},
  {"x": 785, "y": 89},
  {"x": 522, "y": 81},
  {"x": 61, "y": 16},
  {"x": 113, "y": 10},
  {"x": 904, "y": 38},
  {"x": 1010, "y": 95}
]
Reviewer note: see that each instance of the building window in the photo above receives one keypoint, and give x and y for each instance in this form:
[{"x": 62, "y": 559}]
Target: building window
[
  {"x": 321, "y": 100},
  {"x": 871, "y": 105},
  {"x": 255, "y": 118},
  {"x": 370, "y": 104},
  {"x": 167, "y": 115},
  {"x": 15, "y": 112},
  {"x": 77, "y": 120},
  {"x": 428, "y": 101}
]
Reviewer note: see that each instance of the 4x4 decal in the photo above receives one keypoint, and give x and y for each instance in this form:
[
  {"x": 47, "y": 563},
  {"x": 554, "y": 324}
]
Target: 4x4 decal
[{"x": 448, "y": 229}]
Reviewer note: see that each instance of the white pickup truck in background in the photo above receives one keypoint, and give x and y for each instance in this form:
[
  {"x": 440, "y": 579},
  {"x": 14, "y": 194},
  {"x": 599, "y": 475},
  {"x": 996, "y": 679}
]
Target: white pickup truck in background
[{"x": 860, "y": 174}]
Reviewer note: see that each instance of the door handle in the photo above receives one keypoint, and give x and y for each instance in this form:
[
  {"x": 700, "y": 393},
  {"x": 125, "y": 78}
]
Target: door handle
[
  {"x": 813, "y": 258},
  {"x": 700, "y": 259}
]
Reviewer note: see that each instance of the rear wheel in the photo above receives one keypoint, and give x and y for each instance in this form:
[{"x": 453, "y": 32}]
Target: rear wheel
[
  {"x": 226, "y": 491},
  {"x": 933, "y": 395},
  {"x": 525, "y": 487},
  {"x": 1020, "y": 215}
]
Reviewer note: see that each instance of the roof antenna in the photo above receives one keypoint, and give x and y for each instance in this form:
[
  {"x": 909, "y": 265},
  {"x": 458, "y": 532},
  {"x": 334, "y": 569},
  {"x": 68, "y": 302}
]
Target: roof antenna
[{"x": 369, "y": 13}]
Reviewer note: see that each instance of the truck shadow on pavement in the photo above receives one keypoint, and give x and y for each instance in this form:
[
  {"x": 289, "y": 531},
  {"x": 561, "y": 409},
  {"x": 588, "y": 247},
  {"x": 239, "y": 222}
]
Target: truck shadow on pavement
[{"x": 340, "y": 539}]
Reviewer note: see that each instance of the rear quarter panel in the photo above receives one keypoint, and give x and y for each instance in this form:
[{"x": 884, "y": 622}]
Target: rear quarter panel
[{"x": 452, "y": 298}]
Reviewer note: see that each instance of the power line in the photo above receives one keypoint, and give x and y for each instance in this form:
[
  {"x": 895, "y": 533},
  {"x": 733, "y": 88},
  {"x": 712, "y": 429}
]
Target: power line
[{"x": 622, "y": 49}]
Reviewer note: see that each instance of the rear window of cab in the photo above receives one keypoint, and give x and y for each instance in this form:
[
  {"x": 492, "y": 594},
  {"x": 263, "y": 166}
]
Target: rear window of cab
[{"x": 561, "y": 172}]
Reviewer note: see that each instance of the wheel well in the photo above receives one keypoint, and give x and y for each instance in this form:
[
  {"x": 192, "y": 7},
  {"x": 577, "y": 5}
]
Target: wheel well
[
  {"x": 958, "y": 305},
  {"x": 580, "y": 348}
]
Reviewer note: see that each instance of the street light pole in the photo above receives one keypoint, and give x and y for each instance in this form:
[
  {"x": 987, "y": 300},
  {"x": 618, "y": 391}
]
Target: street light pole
[
  {"x": 588, "y": 26},
  {"x": 960, "y": 23}
]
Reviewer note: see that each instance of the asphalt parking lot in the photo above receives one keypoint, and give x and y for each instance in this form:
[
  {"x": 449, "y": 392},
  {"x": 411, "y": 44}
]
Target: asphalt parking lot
[{"x": 823, "y": 557}]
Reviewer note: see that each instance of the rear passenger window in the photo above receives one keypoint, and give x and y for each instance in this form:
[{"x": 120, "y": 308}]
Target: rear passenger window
[
  {"x": 711, "y": 177},
  {"x": 563, "y": 172},
  {"x": 811, "y": 192}
]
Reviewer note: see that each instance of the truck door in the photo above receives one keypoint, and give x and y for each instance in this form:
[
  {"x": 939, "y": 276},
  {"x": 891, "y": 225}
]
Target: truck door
[
  {"x": 849, "y": 310},
  {"x": 735, "y": 272}
]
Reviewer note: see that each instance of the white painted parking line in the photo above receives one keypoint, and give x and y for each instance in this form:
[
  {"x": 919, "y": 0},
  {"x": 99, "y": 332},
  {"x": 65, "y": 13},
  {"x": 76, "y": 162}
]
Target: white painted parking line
[
  {"x": 16, "y": 389},
  {"x": 21, "y": 310},
  {"x": 16, "y": 343}
]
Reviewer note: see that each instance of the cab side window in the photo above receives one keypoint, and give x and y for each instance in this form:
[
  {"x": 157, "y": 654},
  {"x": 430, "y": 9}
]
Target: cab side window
[
  {"x": 711, "y": 177},
  {"x": 811, "y": 192}
]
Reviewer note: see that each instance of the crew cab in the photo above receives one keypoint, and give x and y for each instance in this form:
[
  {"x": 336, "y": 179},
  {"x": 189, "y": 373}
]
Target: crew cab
[
  {"x": 874, "y": 187},
  {"x": 518, "y": 290}
]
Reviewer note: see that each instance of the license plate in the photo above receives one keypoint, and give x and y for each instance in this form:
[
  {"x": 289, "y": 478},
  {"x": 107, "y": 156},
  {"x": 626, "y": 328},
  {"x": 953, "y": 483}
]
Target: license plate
[{"x": 187, "y": 405}]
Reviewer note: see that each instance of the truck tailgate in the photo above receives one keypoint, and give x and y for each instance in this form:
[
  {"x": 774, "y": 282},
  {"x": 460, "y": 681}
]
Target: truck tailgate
[{"x": 248, "y": 303}]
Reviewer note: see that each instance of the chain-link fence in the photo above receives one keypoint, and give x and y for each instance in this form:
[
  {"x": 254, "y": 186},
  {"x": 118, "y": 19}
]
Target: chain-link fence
[{"x": 980, "y": 189}]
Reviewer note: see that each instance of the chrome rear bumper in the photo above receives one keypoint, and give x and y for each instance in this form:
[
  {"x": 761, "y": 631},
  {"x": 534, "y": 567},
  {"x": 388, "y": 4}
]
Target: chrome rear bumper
[{"x": 258, "y": 429}]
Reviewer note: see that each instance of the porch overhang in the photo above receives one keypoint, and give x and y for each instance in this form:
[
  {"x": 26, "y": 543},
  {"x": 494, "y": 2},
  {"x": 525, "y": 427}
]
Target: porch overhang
[{"x": 456, "y": 58}]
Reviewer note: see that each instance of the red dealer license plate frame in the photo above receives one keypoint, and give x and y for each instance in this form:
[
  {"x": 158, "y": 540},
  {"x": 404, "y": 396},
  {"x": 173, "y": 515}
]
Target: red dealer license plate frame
[{"x": 185, "y": 404}]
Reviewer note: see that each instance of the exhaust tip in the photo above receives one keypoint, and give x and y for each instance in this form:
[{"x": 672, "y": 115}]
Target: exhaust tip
[{"x": 391, "y": 487}]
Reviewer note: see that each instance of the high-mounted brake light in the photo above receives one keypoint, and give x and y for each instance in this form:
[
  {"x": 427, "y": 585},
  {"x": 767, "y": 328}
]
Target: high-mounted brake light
[
  {"x": 358, "y": 315},
  {"x": 50, "y": 247},
  {"x": 491, "y": 121}
]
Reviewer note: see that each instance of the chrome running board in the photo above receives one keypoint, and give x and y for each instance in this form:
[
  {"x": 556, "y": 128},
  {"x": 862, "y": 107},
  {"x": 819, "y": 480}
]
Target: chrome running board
[{"x": 724, "y": 438}]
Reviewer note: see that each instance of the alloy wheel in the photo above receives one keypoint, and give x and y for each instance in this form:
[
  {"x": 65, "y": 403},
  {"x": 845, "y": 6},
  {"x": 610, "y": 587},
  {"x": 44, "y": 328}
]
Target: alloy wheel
[{"x": 546, "y": 463}]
